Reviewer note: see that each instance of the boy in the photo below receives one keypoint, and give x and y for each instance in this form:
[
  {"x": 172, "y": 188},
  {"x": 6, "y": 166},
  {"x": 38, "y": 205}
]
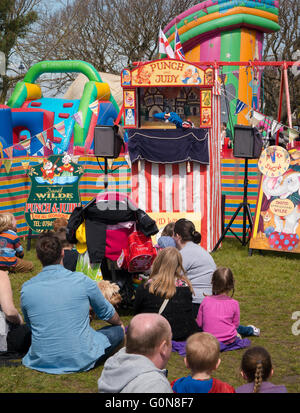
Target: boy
[
  {"x": 202, "y": 357},
  {"x": 11, "y": 250}
]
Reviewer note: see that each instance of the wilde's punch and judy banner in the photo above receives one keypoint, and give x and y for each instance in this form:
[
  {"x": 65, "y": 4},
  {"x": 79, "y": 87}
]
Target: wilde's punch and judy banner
[
  {"x": 54, "y": 191},
  {"x": 276, "y": 224}
]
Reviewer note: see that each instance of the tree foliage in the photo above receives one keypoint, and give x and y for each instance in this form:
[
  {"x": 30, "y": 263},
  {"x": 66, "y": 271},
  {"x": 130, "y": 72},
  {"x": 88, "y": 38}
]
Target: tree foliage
[
  {"x": 281, "y": 46},
  {"x": 16, "y": 16}
]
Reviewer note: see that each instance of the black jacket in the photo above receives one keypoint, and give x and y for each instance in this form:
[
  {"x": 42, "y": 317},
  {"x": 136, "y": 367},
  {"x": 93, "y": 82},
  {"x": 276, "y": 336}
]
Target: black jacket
[{"x": 97, "y": 216}]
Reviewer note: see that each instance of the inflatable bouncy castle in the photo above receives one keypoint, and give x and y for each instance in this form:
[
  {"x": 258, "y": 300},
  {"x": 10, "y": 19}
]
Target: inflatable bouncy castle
[{"x": 228, "y": 31}]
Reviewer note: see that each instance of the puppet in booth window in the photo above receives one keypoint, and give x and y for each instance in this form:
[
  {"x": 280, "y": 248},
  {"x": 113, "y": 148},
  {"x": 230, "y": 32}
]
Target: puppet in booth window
[{"x": 174, "y": 118}]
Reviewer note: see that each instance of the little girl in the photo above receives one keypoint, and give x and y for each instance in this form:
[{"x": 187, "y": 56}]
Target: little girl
[
  {"x": 256, "y": 369},
  {"x": 219, "y": 314}
]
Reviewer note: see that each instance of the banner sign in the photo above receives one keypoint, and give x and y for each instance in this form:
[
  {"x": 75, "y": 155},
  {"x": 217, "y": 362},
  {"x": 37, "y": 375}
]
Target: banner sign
[
  {"x": 276, "y": 223},
  {"x": 168, "y": 73},
  {"x": 54, "y": 191}
]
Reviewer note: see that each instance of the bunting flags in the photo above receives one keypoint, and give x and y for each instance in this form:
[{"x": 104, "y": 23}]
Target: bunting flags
[
  {"x": 26, "y": 145},
  {"x": 94, "y": 107},
  {"x": 293, "y": 134},
  {"x": 275, "y": 127},
  {"x": 164, "y": 46},
  {"x": 239, "y": 106},
  {"x": 78, "y": 117},
  {"x": 42, "y": 137},
  {"x": 60, "y": 127}
]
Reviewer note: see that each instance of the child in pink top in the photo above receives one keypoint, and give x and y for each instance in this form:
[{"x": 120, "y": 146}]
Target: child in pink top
[{"x": 219, "y": 314}]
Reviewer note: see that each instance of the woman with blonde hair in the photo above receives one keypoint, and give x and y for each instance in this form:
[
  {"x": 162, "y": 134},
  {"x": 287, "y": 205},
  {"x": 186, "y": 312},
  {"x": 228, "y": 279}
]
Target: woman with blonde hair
[{"x": 169, "y": 293}]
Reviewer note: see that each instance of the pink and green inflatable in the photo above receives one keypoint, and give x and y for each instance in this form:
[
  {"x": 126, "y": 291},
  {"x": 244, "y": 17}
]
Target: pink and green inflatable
[{"x": 222, "y": 30}]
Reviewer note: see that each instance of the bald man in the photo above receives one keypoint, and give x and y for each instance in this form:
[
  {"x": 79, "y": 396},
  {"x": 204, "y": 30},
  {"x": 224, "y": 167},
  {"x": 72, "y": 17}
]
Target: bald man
[{"x": 140, "y": 366}]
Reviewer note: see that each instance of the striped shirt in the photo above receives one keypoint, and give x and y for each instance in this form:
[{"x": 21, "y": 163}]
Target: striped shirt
[{"x": 10, "y": 247}]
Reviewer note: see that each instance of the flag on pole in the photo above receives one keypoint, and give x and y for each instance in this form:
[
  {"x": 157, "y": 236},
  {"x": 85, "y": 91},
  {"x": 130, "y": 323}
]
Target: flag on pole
[
  {"x": 60, "y": 127},
  {"x": 239, "y": 106},
  {"x": 164, "y": 46},
  {"x": 179, "y": 54},
  {"x": 78, "y": 118},
  {"x": 94, "y": 107}
]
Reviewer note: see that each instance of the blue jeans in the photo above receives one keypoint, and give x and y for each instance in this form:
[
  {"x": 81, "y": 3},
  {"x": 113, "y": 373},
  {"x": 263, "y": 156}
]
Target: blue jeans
[
  {"x": 115, "y": 335},
  {"x": 245, "y": 331}
]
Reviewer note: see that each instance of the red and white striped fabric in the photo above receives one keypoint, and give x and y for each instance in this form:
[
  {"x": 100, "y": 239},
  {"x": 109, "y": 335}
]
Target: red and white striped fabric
[{"x": 185, "y": 187}]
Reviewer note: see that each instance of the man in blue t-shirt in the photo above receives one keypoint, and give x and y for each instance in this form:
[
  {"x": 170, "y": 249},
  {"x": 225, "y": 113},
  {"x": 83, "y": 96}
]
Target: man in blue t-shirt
[{"x": 56, "y": 306}]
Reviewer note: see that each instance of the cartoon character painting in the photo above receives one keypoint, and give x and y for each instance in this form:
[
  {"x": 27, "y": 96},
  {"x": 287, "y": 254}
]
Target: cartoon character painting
[
  {"x": 66, "y": 169},
  {"x": 48, "y": 171},
  {"x": 129, "y": 117},
  {"x": 126, "y": 79}
]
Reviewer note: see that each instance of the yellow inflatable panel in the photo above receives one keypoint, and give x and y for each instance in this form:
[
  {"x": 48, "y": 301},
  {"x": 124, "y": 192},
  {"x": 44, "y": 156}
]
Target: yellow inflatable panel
[{"x": 33, "y": 91}]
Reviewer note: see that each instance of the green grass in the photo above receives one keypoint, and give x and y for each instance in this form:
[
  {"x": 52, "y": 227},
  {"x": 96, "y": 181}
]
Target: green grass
[{"x": 267, "y": 288}]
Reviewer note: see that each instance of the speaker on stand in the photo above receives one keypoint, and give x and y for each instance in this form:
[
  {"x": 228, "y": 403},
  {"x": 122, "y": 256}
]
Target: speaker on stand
[
  {"x": 247, "y": 145},
  {"x": 107, "y": 144}
]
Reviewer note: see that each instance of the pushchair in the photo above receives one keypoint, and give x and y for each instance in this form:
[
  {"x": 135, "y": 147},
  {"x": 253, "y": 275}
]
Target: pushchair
[{"x": 109, "y": 220}]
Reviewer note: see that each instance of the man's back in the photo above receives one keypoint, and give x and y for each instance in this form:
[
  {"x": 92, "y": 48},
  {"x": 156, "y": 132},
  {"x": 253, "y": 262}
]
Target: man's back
[
  {"x": 132, "y": 373},
  {"x": 56, "y": 305}
]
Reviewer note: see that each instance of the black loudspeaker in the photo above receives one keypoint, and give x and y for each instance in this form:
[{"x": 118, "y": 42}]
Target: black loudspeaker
[
  {"x": 247, "y": 142},
  {"x": 107, "y": 142}
]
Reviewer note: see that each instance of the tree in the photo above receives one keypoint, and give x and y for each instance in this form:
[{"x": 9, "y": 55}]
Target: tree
[
  {"x": 109, "y": 34},
  {"x": 280, "y": 46},
  {"x": 16, "y": 16}
]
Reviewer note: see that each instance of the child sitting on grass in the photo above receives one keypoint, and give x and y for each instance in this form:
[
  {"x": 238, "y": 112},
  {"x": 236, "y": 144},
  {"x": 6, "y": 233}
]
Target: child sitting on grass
[
  {"x": 256, "y": 369},
  {"x": 219, "y": 314},
  {"x": 202, "y": 357},
  {"x": 11, "y": 250}
]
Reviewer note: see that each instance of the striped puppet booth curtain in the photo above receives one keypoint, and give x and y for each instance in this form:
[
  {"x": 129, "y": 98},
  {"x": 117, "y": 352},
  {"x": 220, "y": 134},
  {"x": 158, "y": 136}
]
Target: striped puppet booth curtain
[{"x": 189, "y": 189}]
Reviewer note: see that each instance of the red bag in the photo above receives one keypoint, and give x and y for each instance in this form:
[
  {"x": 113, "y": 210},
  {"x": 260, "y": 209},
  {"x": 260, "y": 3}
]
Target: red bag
[{"x": 139, "y": 254}]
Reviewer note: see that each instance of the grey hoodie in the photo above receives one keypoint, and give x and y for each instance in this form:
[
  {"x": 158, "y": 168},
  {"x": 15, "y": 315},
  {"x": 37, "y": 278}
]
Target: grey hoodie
[{"x": 132, "y": 373}]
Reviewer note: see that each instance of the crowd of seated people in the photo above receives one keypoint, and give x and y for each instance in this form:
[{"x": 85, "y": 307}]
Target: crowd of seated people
[{"x": 184, "y": 298}]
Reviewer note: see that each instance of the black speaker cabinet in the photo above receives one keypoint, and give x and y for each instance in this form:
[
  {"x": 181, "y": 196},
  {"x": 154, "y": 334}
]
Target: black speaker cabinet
[
  {"x": 247, "y": 142},
  {"x": 107, "y": 143}
]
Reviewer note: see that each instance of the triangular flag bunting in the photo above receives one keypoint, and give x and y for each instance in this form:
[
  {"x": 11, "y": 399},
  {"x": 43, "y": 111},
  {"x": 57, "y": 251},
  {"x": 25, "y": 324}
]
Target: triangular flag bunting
[
  {"x": 42, "y": 137},
  {"x": 94, "y": 107},
  {"x": 239, "y": 106},
  {"x": 8, "y": 151},
  {"x": 275, "y": 127},
  {"x": 26, "y": 144},
  {"x": 7, "y": 165},
  {"x": 78, "y": 118},
  {"x": 60, "y": 127},
  {"x": 258, "y": 116},
  {"x": 25, "y": 165},
  {"x": 49, "y": 144},
  {"x": 293, "y": 134}
]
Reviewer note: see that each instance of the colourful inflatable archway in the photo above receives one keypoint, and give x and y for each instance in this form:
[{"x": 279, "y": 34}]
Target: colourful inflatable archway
[
  {"x": 27, "y": 90},
  {"x": 223, "y": 30}
]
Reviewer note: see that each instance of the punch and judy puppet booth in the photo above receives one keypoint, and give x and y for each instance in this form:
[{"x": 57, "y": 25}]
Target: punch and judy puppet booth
[{"x": 172, "y": 115}]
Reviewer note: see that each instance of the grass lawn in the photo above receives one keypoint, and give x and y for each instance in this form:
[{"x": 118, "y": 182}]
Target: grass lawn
[{"x": 267, "y": 288}]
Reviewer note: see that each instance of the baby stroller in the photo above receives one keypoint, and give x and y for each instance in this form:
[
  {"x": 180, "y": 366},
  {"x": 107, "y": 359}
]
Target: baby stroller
[{"x": 109, "y": 222}]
